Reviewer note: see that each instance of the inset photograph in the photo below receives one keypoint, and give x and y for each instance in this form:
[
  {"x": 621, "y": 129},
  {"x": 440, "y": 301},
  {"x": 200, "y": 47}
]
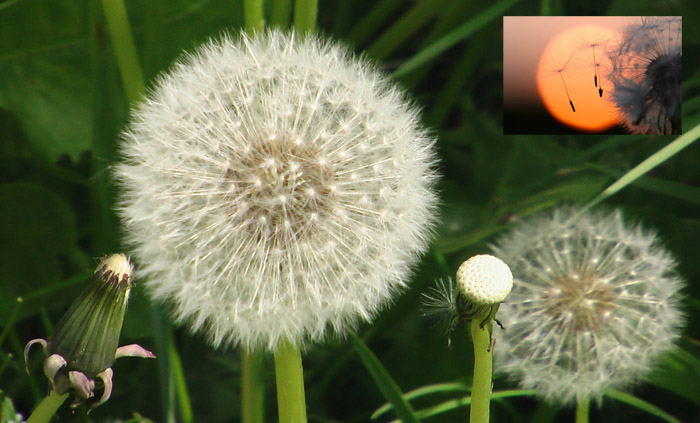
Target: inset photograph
[{"x": 592, "y": 74}]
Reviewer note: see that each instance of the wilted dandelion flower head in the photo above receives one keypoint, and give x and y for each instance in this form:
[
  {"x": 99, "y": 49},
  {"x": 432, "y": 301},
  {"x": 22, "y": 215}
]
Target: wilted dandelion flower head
[
  {"x": 646, "y": 75},
  {"x": 275, "y": 187},
  {"x": 594, "y": 304}
]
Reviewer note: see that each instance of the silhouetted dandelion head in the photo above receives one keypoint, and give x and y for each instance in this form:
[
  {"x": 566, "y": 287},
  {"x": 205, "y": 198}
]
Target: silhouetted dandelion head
[
  {"x": 646, "y": 75},
  {"x": 594, "y": 304},
  {"x": 275, "y": 188}
]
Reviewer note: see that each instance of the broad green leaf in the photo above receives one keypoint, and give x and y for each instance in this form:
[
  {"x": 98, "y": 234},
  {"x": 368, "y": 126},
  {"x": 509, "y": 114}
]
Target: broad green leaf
[{"x": 45, "y": 78}]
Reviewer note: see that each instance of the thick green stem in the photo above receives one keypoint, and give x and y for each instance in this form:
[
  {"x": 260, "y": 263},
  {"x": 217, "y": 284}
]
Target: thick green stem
[
  {"x": 47, "y": 408},
  {"x": 291, "y": 404},
  {"x": 483, "y": 361},
  {"x": 280, "y": 10},
  {"x": 253, "y": 388},
  {"x": 123, "y": 42},
  {"x": 582, "y": 410},
  {"x": 305, "y": 12},
  {"x": 254, "y": 17}
]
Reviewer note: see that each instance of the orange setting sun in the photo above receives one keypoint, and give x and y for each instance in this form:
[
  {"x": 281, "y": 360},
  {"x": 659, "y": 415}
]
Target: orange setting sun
[{"x": 571, "y": 78}]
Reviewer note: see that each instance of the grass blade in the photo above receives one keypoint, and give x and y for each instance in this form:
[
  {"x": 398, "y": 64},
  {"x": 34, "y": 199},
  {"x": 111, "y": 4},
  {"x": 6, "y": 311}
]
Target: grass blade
[
  {"x": 439, "y": 388},
  {"x": 642, "y": 405},
  {"x": 455, "y": 36},
  {"x": 384, "y": 382},
  {"x": 682, "y": 192},
  {"x": 651, "y": 162}
]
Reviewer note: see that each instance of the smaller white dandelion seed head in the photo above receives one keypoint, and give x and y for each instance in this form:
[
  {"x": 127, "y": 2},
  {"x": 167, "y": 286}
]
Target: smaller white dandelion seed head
[
  {"x": 275, "y": 188},
  {"x": 594, "y": 303},
  {"x": 484, "y": 279}
]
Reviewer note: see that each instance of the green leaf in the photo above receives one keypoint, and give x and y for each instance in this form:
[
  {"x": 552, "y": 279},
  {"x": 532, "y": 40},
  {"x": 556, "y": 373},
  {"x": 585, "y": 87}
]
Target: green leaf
[
  {"x": 45, "y": 78},
  {"x": 450, "y": 405},
  {"x": 48, "y": 95},
  {"x": 440, "y": 388},
  {"x": 679, "y": 372},
  {"x": 373, "y": 20},
  {"x": 405, "y": 27},
  {"x": 682, "y": 192},
  {"x": 384, "y": 382},
  {"x": 650, "y": 163},
  {"x": 38, "y": 233},
  {"x": 455, "y": 36},
  {"x": 642, "y": 405}
]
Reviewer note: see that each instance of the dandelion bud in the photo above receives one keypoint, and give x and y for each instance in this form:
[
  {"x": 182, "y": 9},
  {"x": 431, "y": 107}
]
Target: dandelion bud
[
  {"x": 484, "y": 279},
  {"x": 483, "y": 283},
  {"x": 83, "y": 345}
]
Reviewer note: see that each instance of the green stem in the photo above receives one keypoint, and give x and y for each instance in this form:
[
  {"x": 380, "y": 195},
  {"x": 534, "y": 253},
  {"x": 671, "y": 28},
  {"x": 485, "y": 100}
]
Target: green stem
[
  {"x": 47, "y": 408},
  {"x": 178, "y": 378},
  {"x": 253, "y": 388},
  {"x": 280, "y": 10},
  {"x": 254, "y": 17},
  {"x": 305, "y": 12},
  {"x": 11, "y": 320},
  {"x": 124, "y": 48},
  {"x": 291, "y": 404},
  {"x": 582, "y": 410},
  {"x": 483, "y": 361}
]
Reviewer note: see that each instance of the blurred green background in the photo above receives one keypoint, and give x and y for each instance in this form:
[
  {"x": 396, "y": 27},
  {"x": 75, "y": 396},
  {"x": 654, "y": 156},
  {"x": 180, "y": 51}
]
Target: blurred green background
[{"x": 62, "y": 105}]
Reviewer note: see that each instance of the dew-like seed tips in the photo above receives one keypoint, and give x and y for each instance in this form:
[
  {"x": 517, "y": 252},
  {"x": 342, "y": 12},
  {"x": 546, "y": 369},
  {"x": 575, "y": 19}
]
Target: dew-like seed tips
[{"x": 484, "y": 279}]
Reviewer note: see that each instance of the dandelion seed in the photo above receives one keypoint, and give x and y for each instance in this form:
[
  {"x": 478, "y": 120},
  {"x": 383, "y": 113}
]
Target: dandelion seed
[
  {"x": 440, "y": 305},
  {"x": 593, "y": 39},
  {"x": 552, "y": 66},
  {"x": 646, "y": 75},
  {"x": 274, "y": 189},
  {"x": 578, "y": 321}
]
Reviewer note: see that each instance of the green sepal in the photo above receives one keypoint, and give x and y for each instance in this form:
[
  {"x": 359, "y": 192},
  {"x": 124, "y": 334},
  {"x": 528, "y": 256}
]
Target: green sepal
[{"x": 88, "y": 334}]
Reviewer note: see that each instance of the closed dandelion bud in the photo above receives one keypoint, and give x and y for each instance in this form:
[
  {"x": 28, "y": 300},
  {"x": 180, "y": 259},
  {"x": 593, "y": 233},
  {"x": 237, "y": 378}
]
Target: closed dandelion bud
[
  {"x": 275, "y": 188},
  {"x": 483, "y": 283},
  {"x": 595, "y": 304},
  {"x": 83, "y": 344},
  {"x": 484, "y": 280}
]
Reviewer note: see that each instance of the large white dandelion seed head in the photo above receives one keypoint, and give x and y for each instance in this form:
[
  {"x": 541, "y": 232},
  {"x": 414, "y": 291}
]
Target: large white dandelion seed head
[
  {"x": 274, "y": 188},
  {"x": 594, "y": 304},
  {"x": 646, "y": 75}
]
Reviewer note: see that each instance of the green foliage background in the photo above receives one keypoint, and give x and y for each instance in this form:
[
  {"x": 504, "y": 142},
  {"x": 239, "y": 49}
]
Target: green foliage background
[{"x": 62, "y": 105}]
